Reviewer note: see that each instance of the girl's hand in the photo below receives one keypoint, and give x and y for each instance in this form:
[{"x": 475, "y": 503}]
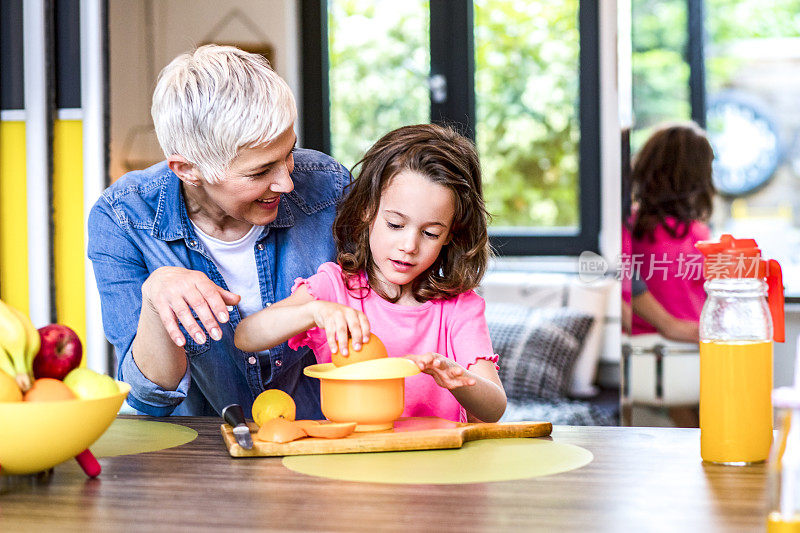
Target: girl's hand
[
  {"x": 174, "y": 292},
  {"x": 340, "y": 323},
  {"x": 446, "y": 372}
]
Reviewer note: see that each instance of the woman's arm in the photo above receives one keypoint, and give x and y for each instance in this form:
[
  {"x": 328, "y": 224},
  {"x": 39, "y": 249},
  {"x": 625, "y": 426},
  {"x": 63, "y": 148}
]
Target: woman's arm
[
  {"x": 134, "y": 319},
  {"x": 165, "y": 369},
  {"x": 478, "y": 389},
  {"x": 169, "y": 295},
  {"x": 298, "y": 313}
]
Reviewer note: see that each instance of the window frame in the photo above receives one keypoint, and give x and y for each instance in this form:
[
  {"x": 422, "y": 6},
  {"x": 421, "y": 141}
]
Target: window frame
[
  {"x": 452, "y": 55},
  {"x": 695, "y": 57}
]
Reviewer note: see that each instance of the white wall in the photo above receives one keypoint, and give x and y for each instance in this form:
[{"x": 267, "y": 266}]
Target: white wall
[{"x": 145, "y": 35}]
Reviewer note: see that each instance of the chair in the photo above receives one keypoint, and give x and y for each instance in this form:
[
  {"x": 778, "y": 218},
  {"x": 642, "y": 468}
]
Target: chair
[{"x": 657, "y": 372}]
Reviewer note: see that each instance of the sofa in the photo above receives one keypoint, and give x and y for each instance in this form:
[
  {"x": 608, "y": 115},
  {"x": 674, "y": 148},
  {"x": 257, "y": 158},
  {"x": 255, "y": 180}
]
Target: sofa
[{"x": 552, "y": 331}]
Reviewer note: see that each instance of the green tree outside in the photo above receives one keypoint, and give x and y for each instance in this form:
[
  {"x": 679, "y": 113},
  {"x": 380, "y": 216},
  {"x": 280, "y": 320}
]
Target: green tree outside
[
  {"x": 526, "y": 56},
  {"x": 379, "y": 65},
  {"x": 528, "y": 132}
]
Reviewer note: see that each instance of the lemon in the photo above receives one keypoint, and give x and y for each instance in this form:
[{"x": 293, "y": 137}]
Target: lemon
[{"x": 273, "y": 403}]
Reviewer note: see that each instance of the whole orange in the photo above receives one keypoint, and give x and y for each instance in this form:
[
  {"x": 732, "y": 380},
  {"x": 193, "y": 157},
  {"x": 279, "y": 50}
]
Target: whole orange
[
  {"x": 9, "y": 391},
  {"x": 372, "y": 349},
  {"x": 48, "y": 390}
]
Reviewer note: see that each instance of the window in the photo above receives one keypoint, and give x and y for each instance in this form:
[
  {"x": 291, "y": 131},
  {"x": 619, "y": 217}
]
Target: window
[
  {"x": 739, "y": 83},
  {"x": 379, "y": 57},
  {"x": 527, "y": 121},
  {"x": 519, "y": 78},
  {"x": 660, "y": 75}
]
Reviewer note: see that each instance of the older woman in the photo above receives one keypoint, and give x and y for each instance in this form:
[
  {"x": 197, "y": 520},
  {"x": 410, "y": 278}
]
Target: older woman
[{"x": 185, "y": 249}]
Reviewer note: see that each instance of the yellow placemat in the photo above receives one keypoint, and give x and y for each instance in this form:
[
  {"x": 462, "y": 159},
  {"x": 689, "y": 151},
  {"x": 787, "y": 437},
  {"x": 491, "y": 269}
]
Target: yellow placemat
[
  {"x": 127, "y": 437},
  {"x": 476, "y": 462}
]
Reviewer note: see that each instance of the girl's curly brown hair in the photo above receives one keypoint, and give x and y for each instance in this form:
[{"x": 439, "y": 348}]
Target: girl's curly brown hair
[
  {"x": 671, "y": 177},
  {"x": 445, "y": 158}
]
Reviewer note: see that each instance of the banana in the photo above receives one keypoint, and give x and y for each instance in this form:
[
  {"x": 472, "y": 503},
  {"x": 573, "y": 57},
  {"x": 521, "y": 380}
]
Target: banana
[
  {"x": 5, "y": 363},
  {"x": 32, "y": 339},
  {"x": 13, "y": 340}
]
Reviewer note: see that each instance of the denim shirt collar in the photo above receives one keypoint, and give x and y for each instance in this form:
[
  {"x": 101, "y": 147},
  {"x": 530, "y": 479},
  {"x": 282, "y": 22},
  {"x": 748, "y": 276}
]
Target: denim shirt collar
[{"x": 172, "y": 220}]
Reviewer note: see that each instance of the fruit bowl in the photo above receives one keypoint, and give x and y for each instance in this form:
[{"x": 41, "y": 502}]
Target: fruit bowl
[
  {"x": 370, "y": 393},
  {"x": 36, "y": 436}
]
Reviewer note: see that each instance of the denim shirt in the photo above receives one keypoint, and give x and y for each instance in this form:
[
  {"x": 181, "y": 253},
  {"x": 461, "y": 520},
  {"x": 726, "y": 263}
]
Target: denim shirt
[{"x": 140, "y": 224}]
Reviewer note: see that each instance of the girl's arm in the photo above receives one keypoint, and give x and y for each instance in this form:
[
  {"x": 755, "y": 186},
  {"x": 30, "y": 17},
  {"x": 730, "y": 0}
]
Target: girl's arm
[
  {"x": 275, "y": 324},
  {"x": 478, "y": 389},
  {"x": 486, "y": 400},
  {"x": 300, "y": 312},
  {"x": 647, "y": 307}
]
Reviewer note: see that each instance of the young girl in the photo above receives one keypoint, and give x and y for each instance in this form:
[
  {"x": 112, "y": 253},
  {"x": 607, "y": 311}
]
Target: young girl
[
  {"x": 672, "y": 194},
  {"x": 412, "y": 244}
]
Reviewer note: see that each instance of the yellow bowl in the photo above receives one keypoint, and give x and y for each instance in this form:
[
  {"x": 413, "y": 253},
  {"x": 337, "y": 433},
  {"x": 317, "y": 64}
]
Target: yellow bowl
[
  {"x": 35, "y": 436},
  {"x": 370, "y": 393}
]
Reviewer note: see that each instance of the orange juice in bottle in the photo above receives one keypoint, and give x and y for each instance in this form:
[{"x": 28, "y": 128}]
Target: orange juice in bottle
[
  {"x": 742, "y": 315},
  {"x": 735, "y": 406}
]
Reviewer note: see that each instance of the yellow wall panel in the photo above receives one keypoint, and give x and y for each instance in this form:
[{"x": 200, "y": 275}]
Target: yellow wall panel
[
  {"x": 13, "y": 216},
  {"x": 68, "y": 241}
]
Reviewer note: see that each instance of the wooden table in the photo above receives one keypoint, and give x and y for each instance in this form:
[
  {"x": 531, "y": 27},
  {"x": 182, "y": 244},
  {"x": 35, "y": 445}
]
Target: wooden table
[{"x": 641, "y": 479}]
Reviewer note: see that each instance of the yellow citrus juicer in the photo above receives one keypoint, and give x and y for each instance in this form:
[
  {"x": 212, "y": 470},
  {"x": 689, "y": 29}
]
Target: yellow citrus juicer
[{"x": 370, "y": 393}]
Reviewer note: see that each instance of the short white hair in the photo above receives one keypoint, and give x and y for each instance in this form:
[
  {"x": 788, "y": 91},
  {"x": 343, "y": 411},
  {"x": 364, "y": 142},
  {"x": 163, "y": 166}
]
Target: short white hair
[{"x": 209, "y": 104}]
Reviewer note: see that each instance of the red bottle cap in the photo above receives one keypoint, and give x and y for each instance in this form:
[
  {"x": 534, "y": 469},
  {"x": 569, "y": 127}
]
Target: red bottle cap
[{"x": 731, "y": 258}]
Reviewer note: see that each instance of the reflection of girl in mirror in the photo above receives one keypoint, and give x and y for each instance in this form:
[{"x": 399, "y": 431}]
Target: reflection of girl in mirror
[{"x": 672, "y": 195}]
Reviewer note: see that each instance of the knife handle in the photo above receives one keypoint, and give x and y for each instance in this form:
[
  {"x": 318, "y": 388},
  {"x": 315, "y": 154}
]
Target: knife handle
[{"x": 234, "y": 415}]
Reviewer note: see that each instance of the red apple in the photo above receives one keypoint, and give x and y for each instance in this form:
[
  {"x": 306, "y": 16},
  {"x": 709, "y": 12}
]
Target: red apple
[{"x": 60, "y": 352}]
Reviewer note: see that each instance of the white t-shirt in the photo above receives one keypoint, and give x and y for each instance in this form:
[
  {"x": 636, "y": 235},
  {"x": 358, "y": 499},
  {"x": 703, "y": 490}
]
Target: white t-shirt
[{"x": 236, "y": 262}]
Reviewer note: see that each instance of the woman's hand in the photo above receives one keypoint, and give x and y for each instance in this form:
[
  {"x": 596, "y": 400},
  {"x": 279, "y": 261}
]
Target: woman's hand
[
  {"x": 446, "y": 372},
  {"x": 174, "y": 292},
  {"x": 340, "y": 322}
]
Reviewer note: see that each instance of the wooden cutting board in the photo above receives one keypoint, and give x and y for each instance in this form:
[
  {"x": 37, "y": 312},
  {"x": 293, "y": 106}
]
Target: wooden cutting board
[{"x": 408, "y": 434}]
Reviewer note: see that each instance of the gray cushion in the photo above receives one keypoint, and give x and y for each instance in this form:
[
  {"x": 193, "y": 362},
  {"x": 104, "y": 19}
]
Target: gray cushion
[
  {"x": 561, "y": 412},
  {"x": 537, "y": 347}
]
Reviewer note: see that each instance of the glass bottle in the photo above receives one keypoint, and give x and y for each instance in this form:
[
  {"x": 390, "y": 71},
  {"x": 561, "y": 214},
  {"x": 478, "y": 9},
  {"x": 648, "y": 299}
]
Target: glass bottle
[
  {"x": 784, "y": 465},
  {"x": 737, "y": 328}
]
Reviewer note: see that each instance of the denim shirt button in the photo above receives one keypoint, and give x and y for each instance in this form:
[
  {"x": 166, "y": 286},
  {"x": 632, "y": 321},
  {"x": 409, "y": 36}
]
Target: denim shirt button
[
  {"x": 278, "y": 362},
  {"x": 229, "y": 308},
  {"x": 260, "y": 246},
  {"x": 252, "y": 360},
  {"x": 192, "y": 243}
]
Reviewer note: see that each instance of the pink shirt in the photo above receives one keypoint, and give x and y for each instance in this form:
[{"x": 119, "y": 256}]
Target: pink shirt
[
  {"x": 455, "y": 328},
  {"x": 672, "y": 269}
]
